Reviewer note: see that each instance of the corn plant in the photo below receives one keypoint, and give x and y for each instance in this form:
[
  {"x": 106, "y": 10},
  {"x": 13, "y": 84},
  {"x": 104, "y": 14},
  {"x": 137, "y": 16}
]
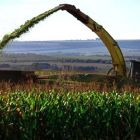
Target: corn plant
[{"x": 81, "y": 115}]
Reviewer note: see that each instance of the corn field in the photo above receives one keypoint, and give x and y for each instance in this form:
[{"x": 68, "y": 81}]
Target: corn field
[{"x": 69, "y": 115}]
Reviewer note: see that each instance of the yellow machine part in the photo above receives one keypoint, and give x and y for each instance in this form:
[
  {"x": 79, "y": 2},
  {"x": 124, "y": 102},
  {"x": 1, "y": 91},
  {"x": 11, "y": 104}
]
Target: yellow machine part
[{"x": 112, "y": 46}]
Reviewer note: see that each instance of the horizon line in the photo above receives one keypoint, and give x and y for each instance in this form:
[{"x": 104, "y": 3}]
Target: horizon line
[{"x": 96, "y": 39}]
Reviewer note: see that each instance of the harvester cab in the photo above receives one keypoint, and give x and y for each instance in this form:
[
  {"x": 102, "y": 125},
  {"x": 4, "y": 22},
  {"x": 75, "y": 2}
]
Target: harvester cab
[{"x": 134, "y": 72}]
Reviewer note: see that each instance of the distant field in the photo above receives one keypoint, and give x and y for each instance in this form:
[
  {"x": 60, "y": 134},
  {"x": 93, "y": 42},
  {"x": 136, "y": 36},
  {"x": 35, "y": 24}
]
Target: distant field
[{"x": 94, "y": 63}]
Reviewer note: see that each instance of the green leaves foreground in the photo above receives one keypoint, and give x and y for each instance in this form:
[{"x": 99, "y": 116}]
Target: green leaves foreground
[{"x": 87, "y": 115}]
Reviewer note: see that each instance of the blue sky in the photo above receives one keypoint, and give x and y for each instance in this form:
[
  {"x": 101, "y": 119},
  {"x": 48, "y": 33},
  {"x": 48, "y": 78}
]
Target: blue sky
[{"x": 121, "y": 18}]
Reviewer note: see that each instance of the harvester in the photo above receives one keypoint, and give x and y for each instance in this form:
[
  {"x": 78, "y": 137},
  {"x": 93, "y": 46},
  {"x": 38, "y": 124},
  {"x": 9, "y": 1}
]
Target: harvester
[{"x": 119, "y": 66}]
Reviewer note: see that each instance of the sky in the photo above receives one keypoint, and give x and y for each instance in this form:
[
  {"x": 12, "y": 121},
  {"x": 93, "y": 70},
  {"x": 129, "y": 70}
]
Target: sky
[{"x": 121, "y": 18}]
